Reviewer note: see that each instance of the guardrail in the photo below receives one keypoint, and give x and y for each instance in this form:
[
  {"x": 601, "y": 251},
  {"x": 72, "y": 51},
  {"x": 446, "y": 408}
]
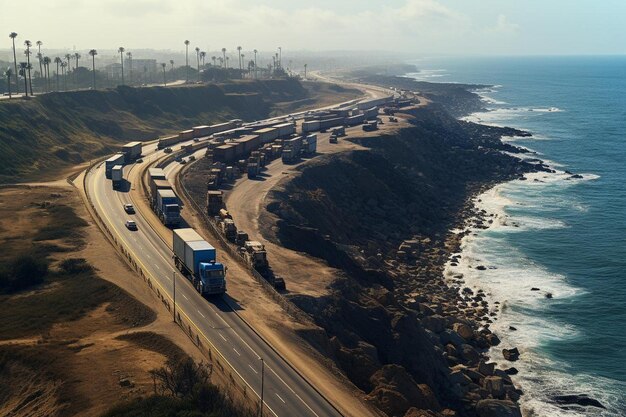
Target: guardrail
[{"x": 236, "y": 386}]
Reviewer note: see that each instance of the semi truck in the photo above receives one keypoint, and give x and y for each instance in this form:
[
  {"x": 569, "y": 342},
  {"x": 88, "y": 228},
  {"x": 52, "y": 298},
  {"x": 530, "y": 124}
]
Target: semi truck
[
  {"x": 167, "y": 207},
  {"x": 117, "y": 159},
  {"x": 196, "y": 259},
  {"x": 131, "y": 151},
  {"x": 117, "y": 176},
  {"x": 255, "y": 255}
]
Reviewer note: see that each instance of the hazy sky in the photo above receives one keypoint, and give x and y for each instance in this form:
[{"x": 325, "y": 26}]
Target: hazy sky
[{"x": 415, "y": 26}]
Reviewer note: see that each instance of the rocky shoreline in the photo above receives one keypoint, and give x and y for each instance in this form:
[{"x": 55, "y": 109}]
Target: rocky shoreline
[{"x": 388, "y": 217}]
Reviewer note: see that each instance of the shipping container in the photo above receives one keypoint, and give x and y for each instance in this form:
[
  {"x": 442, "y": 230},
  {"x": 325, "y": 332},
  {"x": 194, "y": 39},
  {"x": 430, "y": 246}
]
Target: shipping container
[
  {"x": 267, "y": 135},
  {"x": 132, "y": 151},
  {"x": 310, "y": 126},
  {"x": 117, "y": 176},
  {"x": 167, "y": 141},
  {"x": 355, "y": 120},
  {"x": 117, "y": 159},
  {"x": 186, "y": 135},
  {"x": 201, "y": 131},
  {"x": 326, "y": 124},
  {"x": 371, "y": 113},
  {"x": 224, "y": 153},
  {"x": 285, "y": 129}
]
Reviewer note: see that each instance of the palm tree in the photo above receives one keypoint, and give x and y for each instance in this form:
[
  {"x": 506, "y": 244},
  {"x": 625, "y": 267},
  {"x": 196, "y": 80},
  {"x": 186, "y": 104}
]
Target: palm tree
[
  {"x": 68, "y": 58},
  {"x": 255, "y": 52},
  {"x": 8, "y": 74},
  {"x": 241, "y": 68},
  {"x": 221, "y": 61},
  {"x": 46, "y": 66},
  {"x": 172, "y": 65},
  {"x": 202, "y": 56},
  {"x": 198, "y": 59},
  {"x": 129, "y": 55},
  {"x": 280, "y": 57},
  {"x": 64, "y": 74},
  {"x": 77, "y": 56},
  {"x": 121, "y": 51},
  {"x": 239, "y": 51},
  {"x": 213, "y": 58},
  {"x": 28, "y": 44},
  {"x": 13, "y": 35},
  {"x": 57, "y": 61},
  {"x": 93, "y": 54},
  {"x": 187, "y": 58},
  {"x": 305, "y": 66},
  {"x": 23, "y": 69},
  {"x": 163, "y": 65},
  {"x": 39, "y": 56},
  {"x": 224, "y": 52},
  {"x": 227, "y": 61}
]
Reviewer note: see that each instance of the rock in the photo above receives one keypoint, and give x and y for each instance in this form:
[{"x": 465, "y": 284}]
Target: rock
[
  {"x": 449, "y": 336},
  {"x": 469, "y": 354},
  {"x": 434, "y": 323},
  {"x": 578, "y": 399},
  {"x": 463, "y": 330},
  {"x": 495, "y": 386},
  {"x": 511, "y": 354},
  {"x": 395, "y": 391},
  {"x": 497, "y": 408},
  {"x": 486, "y": 368},
  {"x": 414, "y": 412},
  {"x": 125, "y": 382},
  {"x": 512, "y": 328},
  {"x": 549, "y": 295},
  {"x": 459, "y": 377},
  {"x": 492, "y": 339},
  {"x": 481, "y": 267},
  {"x": 511, "y": 371},
  {"x": 575, "y": 177},
  {"x": 534, "y": 289}
]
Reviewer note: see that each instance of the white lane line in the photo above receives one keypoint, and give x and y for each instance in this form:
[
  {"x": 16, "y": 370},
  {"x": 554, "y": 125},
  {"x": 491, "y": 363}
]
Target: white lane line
[
  {"x": 157, "y": 266},
  {"x": 199, "y": 312},
  {"x": 222, "y": 336},
  {"x": 185, "y": 297},
  {"x": 253, "y": 370},
  {"x": 239, "y": 354},
  {"x": 279, "y": 397}
]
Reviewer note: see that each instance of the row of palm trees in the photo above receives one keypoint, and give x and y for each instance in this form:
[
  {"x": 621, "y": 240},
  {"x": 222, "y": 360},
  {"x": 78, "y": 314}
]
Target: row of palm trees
[{"x": 64, "y": 66}]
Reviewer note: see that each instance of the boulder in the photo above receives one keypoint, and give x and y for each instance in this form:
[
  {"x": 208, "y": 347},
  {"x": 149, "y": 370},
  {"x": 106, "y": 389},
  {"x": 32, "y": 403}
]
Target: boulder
[
  {"x": 395, "y": 391},
  {"x": 459, "y": 377},
  {"x": 414, "y": 412},
  {"x": 511, "y": 354},
  {"x": 434, "y": 323},
  {"x": 463, "y": 330},
  {"x": 580, "y": 399},
  {"x": 497, "y": 408},
  {"x": 486, "y": 368},
  {"x": 449, "y": 336},
  {"x": 495, "y": 386}
]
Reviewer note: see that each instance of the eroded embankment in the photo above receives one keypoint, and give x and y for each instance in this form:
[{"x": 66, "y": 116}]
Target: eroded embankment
[
  {"x": 41, "y": 137},
  {"x": 401, "y": 333}
]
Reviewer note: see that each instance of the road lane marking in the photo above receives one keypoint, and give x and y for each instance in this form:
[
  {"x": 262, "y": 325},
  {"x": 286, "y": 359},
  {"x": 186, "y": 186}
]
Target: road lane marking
[
  {"x": 253, "y": 370},
  {"x": 239, "y": 354},
  {"x": 199, "y": 312},
  {"x": 279, "y": 397},
  {"x": 222, "y": 336},
  {"x": 185, "y": 297}
]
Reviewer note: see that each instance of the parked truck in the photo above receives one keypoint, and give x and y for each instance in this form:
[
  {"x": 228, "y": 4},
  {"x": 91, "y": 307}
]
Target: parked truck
[
  {"x": 117, "y": 176},
  {"x": 228, "y": 229},
  {"x": 131, "y": 151},
  {"x": 168, "y": 207},
  {"x": 215, "y": 202},
  {"x": 196, "y": 259},
  {"x": 117, "y": 159},
  {"x": 255, "y": 255}
]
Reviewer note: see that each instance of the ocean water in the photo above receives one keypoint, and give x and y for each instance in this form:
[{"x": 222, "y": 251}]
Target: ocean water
[{"x": 566, "y": 237}]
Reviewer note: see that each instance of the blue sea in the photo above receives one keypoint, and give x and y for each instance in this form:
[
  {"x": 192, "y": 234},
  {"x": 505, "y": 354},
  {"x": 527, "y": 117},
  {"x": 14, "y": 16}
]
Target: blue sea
[{"x": 562, "y": 235}]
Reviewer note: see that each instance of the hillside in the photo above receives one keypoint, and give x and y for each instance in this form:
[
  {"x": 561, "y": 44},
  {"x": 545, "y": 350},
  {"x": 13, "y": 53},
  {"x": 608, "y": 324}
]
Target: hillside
[{"x": 41, "y": 137}]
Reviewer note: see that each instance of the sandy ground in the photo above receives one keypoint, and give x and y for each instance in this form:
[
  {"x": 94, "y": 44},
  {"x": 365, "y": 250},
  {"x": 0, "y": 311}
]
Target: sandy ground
[{"x": 88, "y": 359}]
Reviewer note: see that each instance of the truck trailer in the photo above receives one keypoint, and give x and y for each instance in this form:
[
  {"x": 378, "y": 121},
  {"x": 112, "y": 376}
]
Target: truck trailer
[
  {"x": 117, "y": 176},
  {"x": 167, "y": 207},
  {"x": 131, "y": 151},
  {"x": 196, "y": 259},
  {"x": 117, "y": 159}
]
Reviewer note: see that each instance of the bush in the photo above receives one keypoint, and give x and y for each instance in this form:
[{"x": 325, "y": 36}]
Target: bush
[
  {"x": 75, "y": 266},
  {"x": 23, "y": 272}
]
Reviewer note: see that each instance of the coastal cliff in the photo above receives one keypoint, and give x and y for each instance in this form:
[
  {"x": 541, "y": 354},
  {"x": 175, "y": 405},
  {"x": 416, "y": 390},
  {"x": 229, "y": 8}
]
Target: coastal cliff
[{"x": 384, "y": 216}]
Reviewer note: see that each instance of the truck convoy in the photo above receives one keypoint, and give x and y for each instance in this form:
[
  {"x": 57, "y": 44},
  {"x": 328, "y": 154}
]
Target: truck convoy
[
  {"x": 117, "y": 176},
  {"x": 131, "y": 151},
  {"x": 196, "y": 259},
  {"x": 163, "y": 199}
]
